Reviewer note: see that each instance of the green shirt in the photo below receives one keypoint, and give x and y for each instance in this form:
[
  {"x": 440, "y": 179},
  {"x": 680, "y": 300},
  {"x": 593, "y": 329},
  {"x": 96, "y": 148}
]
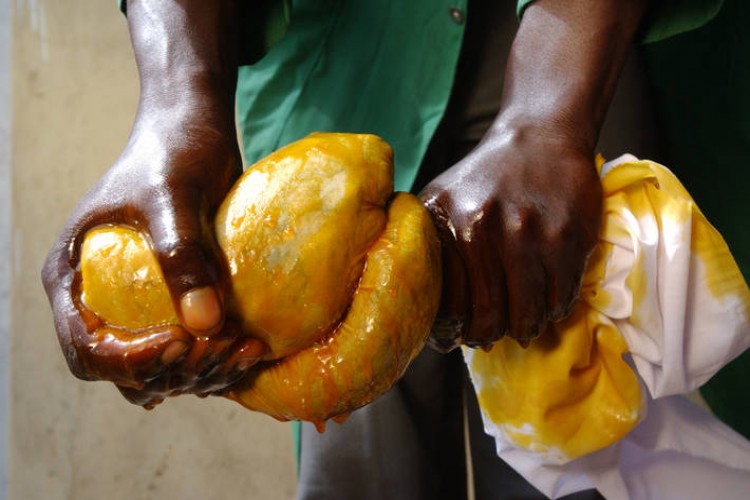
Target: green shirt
[{"x": 384, "y": 67}]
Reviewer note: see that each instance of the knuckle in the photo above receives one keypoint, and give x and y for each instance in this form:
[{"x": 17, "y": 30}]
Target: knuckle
[
  {"x": 570, "y": 295},
  {"x": 476, "y": 222},
  {"x": 521, "y": 221},
  {"x": 185, "y": 264},
  {"x": 528, "y": 318}
]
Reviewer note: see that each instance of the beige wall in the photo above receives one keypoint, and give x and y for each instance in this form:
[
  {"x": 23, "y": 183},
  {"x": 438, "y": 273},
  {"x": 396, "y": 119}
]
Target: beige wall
[{"x": 74, "y": 92}]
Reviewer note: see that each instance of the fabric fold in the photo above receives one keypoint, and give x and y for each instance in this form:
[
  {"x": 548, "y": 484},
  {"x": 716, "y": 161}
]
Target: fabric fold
[{"x": 662, "y": 308}]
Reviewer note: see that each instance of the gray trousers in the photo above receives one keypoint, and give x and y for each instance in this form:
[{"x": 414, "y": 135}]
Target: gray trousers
[{"x": 410, "y": 444}]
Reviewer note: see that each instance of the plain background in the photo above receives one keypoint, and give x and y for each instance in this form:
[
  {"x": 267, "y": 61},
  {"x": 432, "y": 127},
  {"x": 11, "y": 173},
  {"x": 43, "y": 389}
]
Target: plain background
[{"x": 68, "y": 91}]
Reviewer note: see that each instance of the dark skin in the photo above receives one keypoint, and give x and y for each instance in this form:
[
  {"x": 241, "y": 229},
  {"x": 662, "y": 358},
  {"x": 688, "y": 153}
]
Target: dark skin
[
  {"x": 518, "y": 216},
  {"x": 181, "y": 159}
]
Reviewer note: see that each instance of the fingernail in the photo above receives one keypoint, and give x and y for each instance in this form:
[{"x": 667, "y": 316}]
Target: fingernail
[
  {"x": 173, "y": 352},
  {"x": 245, "y": 363},
  {"x": 201, "y": 309}
]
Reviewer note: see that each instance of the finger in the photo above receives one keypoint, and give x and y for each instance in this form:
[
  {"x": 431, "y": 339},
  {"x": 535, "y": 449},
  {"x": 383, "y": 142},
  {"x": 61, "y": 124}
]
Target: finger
[
  {"x": 131, "y": 360},
  {"x": 217, "y": 361},
  {"x": 487, "y": 282},
  {"x": 146, "y": 399},
  {"x": 206, "y": 355},
  {"x": 527, "y": 295},
  {"x": 58, "y": 278},
  {"x": 66, "y": 317},
  {"x": 201, "y": 371},
  {"x": 564, "y": 272},
  {"x": 212, "y": 365},
  {"x": 191, "y": 372},
  {"x": 565, "y": 263},
  {"x": 447, "y": 330},
  {"x": 246, "y": 353},
  {"x": 183, "y": 246}
]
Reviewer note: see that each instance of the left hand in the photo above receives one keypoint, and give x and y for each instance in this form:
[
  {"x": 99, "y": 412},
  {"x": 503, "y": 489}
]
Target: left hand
[{"x": 518, "y": 217}]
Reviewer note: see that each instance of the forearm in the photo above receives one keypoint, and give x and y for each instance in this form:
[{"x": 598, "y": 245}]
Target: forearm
[
  {"x": 564, "y": 66},
  {"x": 186, "y": 52}
]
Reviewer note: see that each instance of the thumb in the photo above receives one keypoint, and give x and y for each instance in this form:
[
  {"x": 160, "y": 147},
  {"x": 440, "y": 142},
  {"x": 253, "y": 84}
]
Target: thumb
[{"x": 182, "y": 238}]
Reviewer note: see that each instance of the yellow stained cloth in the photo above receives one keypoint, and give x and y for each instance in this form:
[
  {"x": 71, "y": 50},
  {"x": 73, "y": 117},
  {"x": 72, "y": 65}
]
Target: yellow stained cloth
[{"x": 661, "y": 288}]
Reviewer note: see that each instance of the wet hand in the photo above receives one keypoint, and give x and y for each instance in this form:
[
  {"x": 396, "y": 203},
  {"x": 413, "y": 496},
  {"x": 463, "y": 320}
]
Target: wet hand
[
  {"x": 167, "y": 183},
  {"x": 517, "y": 217}
]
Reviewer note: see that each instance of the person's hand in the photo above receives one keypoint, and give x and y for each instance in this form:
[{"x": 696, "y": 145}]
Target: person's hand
[
  {"x": 180, "y": 161},
  {"x": 520, "y": 214},
  {"x": 168, "y": 182},
  {"x": 518, "y": 217}
]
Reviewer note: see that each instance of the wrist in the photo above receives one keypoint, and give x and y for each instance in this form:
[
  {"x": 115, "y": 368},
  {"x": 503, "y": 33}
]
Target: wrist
[
  {"x": 521, "y": 128},
  {"x": 188, "y": 99},
  {"x": 186, "y": 134},
  {"x": 186, "y": 52},
  {"x": 565, "y": 63}
]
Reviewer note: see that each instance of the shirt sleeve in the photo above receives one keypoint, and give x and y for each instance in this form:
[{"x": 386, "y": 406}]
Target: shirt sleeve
[
  {"x": 667, "y": 18},
  {"x": 263, "y": 24}
]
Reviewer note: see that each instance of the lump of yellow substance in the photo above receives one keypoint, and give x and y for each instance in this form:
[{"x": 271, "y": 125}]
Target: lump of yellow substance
[
  {"x": 296, "y": 231},
  {"x": 336, "y": 274},
  {"x": 122, "y": 281},
  {"x": 392, "y": 310}
]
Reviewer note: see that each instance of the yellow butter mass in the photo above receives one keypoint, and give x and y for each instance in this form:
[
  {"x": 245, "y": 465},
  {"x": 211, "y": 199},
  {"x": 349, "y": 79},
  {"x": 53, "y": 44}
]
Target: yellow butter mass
[
  {"x": 393, "y": 303},
  {"x": 296, "y": 231},
  {"x": 122, "y": 281},
  {"x": 339, "y": 276}
]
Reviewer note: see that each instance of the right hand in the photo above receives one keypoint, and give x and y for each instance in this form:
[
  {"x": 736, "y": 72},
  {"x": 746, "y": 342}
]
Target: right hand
[{"x": 176, "y": 169}]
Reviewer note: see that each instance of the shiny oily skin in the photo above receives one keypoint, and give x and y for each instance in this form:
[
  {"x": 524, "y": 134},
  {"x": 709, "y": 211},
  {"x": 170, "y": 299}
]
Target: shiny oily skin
[{"x": 323, "y": 266}]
